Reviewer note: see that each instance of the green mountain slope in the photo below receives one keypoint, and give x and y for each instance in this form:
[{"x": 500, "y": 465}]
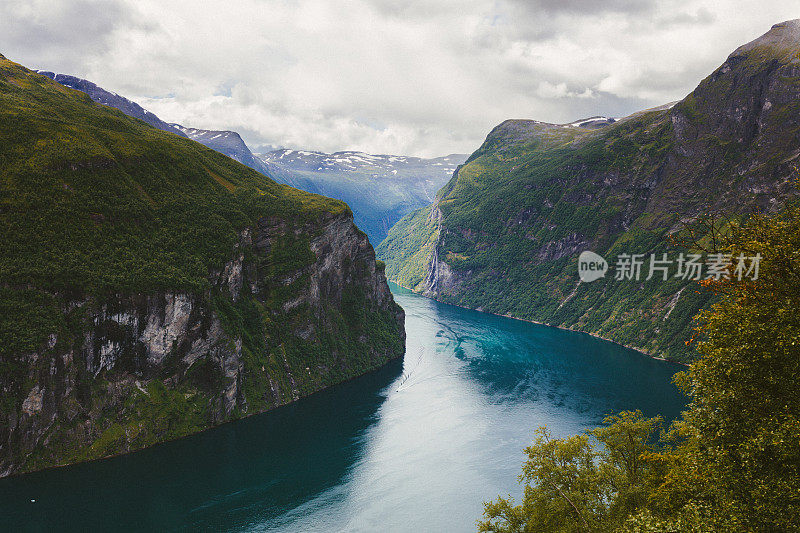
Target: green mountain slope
[
  {"x": 380, "y": 189},
  {"x": 151, "y": 287},
  {"x": 505, "y": 233}
]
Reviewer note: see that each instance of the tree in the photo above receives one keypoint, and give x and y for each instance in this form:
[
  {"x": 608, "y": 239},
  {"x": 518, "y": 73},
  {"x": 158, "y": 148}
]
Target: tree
[
  {"x": 732, "y": 461},
  {"x": 739, "y": 452},
  {"x": 574, "y": 485}
]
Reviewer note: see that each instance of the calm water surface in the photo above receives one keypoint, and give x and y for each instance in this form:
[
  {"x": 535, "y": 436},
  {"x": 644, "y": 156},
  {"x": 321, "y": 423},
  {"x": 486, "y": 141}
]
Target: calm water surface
[{"x": 416, "y": 446}]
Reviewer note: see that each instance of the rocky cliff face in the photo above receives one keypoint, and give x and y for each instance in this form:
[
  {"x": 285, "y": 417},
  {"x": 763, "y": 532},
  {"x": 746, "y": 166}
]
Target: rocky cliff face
[
  {"x": 511, "y": 223},
  {"x": 151, "y": 288},
  {"x": 111, "y": 391}
]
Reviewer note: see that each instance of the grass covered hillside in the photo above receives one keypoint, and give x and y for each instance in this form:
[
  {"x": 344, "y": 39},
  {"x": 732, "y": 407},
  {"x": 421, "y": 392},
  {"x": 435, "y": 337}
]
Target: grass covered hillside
[
  {"x": 505, "y": 233},
  {"x": 151, "y": 287}
]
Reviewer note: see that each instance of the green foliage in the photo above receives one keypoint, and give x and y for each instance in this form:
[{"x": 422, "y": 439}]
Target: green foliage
[
  {"x": 408, "y": 247},
  {"x": 153, "y": 415},
  {"x": 38, "y": 315},
  {"x": 147, "y": 416},
  {"x": 571, "y": 484},
  {"x": 732, "y": 461},
  {"x": 743, "y": 423}
]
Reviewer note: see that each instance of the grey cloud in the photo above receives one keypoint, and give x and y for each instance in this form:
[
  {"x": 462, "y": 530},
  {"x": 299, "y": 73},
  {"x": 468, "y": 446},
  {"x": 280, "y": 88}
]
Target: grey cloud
[
  {"x": 413, "y": 9},
  {"x": 702, "y": 17},
  {"x": 60, "y": 32},
  {"x": 423, "y": 77},
  {"x": 588, "y": 7},
  {"x": 540, "y": 20}
]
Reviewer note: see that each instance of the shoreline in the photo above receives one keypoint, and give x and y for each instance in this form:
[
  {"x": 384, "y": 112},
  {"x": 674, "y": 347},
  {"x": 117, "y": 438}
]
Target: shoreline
[
  {"x": 596, "y": 336},
  {"x": 384, "y": 367}
]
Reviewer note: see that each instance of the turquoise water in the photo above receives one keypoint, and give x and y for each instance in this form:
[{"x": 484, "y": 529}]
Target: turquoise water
[{"x": 416, "y": 446}]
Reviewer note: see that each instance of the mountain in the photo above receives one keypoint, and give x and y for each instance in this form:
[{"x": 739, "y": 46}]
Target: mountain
[
  {"x": 102, "y": 96},
  {"x": 380, "y": 189},
  {"x": 152, "y": 287},
  {"x": 231, "y": 144},
  {"x": 505, "y": 233},
  {"x": 225, "y": 142}
]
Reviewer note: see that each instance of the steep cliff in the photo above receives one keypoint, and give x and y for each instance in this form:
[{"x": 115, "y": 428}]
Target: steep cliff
[
  {"x": 505, "y": 233},
  {"x": 151, "y": 288}
]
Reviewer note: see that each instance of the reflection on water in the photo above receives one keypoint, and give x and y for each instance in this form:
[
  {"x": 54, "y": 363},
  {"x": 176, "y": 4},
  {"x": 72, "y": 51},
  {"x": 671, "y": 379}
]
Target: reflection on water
[
  {"x": 227, "y": 477},
  {"x": 387, "y": 452}
]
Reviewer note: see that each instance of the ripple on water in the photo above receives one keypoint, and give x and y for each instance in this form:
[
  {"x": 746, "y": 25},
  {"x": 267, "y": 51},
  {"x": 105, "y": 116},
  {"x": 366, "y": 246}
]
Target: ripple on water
[{"x": 403, "y": 449}]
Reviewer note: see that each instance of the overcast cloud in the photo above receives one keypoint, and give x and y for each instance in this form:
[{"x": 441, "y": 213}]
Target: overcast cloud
[{"x": 415, "y": 77}]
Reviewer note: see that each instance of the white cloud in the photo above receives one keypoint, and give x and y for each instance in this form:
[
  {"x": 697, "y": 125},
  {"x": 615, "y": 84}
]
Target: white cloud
[
  {"x": 560, "y": 90},
  {"x": 417, "y": 77}
]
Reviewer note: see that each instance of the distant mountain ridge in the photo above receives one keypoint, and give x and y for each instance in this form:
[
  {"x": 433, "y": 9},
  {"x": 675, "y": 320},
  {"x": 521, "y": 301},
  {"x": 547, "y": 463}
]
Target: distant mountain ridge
[
  {"x": 352, "y": 161},
  {"x": 231, "y": 144},
  {"x": 380, "y": 189}
]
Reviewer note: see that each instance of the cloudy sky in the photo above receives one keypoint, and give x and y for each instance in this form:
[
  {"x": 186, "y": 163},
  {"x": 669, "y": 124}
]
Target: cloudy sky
[{"x": 404, "y": 77}]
